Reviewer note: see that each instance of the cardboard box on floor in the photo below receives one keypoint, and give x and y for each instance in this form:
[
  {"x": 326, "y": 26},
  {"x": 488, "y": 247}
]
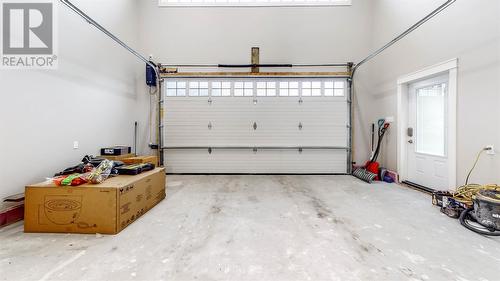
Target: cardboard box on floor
[{"x": 106, "y": 208}]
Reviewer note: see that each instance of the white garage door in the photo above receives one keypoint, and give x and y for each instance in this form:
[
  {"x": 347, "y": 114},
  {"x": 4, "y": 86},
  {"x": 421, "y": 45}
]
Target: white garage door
[{"x": 256, "y": 126}]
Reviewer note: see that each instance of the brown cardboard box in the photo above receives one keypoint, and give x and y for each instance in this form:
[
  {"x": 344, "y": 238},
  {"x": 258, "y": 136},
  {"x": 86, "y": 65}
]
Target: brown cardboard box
[
  {"x": 141, "y": 160},
  {"x": 118, "y": 157},
  {"x": 105, "y": 208}
]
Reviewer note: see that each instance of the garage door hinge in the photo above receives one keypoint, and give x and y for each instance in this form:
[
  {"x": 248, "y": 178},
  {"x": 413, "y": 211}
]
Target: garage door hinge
[
  {"x": 255, "y": 150},
  {"x": 255, "y": 126},
  {"x": 210, "y": 125},
  {"x": 210, "y": 101},
  {"x": 300, "y": 150},
  {"x": 300, "y": 126},
  {"x": 209, "y": 150},
  {"x": 301, "y": 101},
  {"x": 255, "y": 101}
]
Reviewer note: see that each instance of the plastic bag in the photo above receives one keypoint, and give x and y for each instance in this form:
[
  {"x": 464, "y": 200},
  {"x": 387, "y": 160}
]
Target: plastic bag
[{"x": 99, "y": 174}]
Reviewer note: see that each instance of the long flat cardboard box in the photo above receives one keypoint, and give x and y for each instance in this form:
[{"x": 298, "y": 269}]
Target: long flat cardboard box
[
  {"x": 141, "y": 160},
  {"x": 106, "y": 208},
  {"x": 118, "y": 157}
]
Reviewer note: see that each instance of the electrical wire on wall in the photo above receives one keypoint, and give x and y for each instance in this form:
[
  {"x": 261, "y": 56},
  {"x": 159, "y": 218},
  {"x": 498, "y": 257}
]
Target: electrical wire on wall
[
  {"x": 152, "y": 104},
  {"x": 466, "y": 193},
  {"x": 153, "y": 92}
]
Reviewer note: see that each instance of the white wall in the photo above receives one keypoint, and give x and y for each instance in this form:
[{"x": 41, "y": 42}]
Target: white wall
[
  {"x": 469, "y": 31},
  {"x": 225, "y": 35},
  {"x": 91, "y": 98}
]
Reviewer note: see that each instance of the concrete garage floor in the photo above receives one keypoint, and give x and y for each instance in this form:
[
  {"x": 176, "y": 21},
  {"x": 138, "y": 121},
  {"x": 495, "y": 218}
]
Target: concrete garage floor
[{"x": 265, "y": 228}]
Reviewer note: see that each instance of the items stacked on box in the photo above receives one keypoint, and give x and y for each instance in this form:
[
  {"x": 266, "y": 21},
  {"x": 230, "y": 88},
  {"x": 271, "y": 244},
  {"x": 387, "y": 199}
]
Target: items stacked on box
[
  {"x": 105, "y": 208},
  {"x": 101, "y": 194},
  {"x": 95, "y": 170}
]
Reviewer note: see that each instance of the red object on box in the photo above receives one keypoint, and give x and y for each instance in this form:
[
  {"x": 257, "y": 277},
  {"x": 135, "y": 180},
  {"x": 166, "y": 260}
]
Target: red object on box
[{"x": 12, "y": 210}]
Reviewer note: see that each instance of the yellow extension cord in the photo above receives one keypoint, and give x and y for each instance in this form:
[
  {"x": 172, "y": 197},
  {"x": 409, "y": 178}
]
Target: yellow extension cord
[{"x": 467, "y": 193}]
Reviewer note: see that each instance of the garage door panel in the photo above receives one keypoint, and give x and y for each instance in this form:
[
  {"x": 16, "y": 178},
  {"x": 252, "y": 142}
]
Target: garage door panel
[
  {"x": 195, "y": 118},
  {"x": 185, "y": 104},
  {"x": 293, "y": 120},
  {"x": 307, "y": 136},
  {"x": 263, "y": 162},
  {"x": 177, "y": 135},
  {"x": 188, "y": 136},
  {"x": 233, "y": 104}
]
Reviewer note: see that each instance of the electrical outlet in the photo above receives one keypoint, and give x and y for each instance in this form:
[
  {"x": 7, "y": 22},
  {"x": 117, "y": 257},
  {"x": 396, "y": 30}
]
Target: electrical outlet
[
  {"x": 76, "y": 145},
  {"x": 490, "y": 149}
]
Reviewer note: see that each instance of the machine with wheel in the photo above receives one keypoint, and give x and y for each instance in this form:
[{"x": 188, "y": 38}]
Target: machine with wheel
[{"x": 484, "y": 217}]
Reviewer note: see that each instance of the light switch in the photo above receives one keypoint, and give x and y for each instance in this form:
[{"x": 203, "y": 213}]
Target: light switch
[
  {"x": 389, "y": 119},
  {"x": 76, "y": 145}
]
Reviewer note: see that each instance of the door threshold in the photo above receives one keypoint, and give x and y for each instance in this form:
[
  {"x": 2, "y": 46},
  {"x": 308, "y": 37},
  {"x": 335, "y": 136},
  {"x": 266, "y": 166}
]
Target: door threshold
[{"x": 419, "y": 187}]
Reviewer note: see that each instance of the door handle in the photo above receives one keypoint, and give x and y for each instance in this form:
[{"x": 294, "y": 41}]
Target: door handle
[{"x": 410, "y": 141}]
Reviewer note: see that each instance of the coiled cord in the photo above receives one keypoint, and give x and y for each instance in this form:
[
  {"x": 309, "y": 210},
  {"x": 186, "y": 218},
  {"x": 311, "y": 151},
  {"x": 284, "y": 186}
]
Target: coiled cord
[{"x": 466, "y": 193}]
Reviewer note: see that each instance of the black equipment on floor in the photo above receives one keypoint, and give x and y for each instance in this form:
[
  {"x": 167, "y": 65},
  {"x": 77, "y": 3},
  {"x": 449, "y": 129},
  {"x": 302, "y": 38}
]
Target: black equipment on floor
[{"x": 485, "y": 214}]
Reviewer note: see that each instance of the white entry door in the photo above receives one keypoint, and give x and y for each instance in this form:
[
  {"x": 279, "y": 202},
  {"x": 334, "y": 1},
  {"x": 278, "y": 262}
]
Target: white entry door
[
  {"x": 256, "y": 126},
  {"x": 427, "y": 133}
]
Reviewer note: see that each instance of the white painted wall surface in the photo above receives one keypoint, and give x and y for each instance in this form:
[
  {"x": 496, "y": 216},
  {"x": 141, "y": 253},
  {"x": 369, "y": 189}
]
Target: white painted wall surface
[
  {"x": 285, "y": 34},
  {"x": 91, "y": 98},
  {"x": 469, "y": 31}
]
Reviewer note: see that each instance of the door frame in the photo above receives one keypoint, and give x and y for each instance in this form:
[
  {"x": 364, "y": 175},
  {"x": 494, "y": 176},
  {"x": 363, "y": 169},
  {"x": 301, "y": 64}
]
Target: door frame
[{"x": 449, "y": 67}]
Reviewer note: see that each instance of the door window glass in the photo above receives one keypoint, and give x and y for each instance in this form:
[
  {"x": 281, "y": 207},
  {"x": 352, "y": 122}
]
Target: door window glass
[{"x": 431, "y": 120}]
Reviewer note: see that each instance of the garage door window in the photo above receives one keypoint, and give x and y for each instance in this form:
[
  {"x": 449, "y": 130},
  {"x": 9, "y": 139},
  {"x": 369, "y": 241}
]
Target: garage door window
[
  {"x": 198, "y": 89},
  {"x": 176, "y": 89},
  {"x": 251, "y": 3},
  {"x": 266, "y": 89},
  {"x": 282, "y": 87},
  {"x": 221, "y": 89},
  {"x": 334, "y": 88},
  {"x": 243, "y": 89},
  {"x": 311, "y": 89},
  {"x": 289, "y": 89}
]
